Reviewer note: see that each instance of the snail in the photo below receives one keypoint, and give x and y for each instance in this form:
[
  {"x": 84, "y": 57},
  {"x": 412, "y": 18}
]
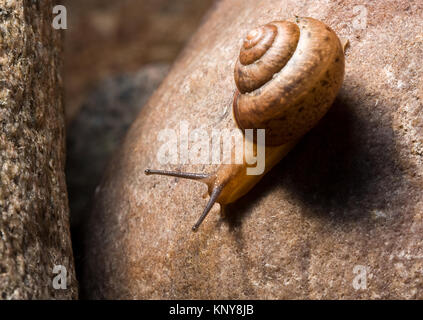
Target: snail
[{"x": 287, "y": 75}]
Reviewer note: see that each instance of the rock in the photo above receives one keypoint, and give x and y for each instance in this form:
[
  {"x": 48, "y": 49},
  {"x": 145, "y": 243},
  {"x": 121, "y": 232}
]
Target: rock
[
  {"x": 341, "y": 217},
  {"x": 35, "y": 244},
  {"x": 96, "y": 132},
  {"x": 100, "y": 126},
  {"x": 108, "y": 37}
]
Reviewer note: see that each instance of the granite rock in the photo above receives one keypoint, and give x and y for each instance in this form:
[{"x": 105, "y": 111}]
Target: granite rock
[{"x": 34, "y": 221}]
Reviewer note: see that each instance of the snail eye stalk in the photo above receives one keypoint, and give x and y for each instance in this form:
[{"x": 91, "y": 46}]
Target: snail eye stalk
[
  {"x": 184, "y": 175},
  {"x": 192, "y": 176},
  {"x": 213, "y": 197}
]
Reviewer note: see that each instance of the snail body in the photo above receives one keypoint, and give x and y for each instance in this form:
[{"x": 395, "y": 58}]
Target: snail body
[{"x": 287, "y": 75}]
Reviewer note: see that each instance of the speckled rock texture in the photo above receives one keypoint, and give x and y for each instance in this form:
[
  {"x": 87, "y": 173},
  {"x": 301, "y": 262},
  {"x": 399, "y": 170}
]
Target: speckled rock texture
[
  {"x": 34, "y": 222},
  {"x": 341, "y": 217}
]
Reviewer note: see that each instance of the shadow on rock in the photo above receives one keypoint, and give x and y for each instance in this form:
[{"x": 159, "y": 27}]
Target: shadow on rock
[{"x": 342, "y": 170}]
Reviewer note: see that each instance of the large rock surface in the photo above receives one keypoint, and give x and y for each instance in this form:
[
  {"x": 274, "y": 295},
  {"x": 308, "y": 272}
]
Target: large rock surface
[
  {"x": 347, "y": 199},
  {"x": 34, "y": 221}
]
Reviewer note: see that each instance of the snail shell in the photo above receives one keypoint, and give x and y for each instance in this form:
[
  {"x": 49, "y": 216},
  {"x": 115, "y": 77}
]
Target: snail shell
[{"x": 287, "y": 74}]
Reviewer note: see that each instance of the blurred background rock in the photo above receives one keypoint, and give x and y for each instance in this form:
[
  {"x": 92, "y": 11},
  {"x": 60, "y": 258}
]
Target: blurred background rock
[
  {"x": 116, "y": 54},
  {"x": 108, "y": 37},
  {"x": 98, "y": 127}
]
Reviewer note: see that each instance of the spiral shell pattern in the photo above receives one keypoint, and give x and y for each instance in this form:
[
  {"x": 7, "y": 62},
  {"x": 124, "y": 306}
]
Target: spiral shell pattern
[{"x": 288, "y": 74}]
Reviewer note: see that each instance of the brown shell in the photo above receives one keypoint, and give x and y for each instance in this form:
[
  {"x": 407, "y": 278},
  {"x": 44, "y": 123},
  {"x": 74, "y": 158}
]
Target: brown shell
[{"x": 288, "y": 74}]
